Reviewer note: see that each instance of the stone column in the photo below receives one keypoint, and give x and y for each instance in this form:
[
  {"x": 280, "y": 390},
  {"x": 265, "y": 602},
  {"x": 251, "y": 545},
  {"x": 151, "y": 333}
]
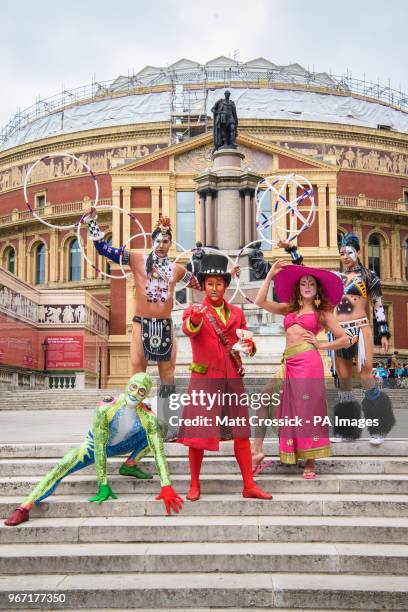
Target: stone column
[
  {"x": 210, "y": 218},
  {"x": 396, "y": 251},
  {"x": 247, "y": 216},
  {"x": 241, "y": 218},
  {"x": 21, "y": 257},
  {"x": 155, "y": 194},
  {"x": 332, "y": 217},
  {"x": 254, "y": 205},
  {"x": 202, "y": 232},
  {"x": 126, "y": 218},
  {"x": 321, "y": 189},
  {"x": 54, "y": 256},
  {"x": 293, "y": 194},
  {"x": 165, "y": 201},
  {"x": 116, "y": 218}
]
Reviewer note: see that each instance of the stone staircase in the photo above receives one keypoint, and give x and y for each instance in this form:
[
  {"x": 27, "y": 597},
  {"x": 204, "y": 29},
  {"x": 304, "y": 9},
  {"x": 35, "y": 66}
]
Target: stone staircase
[
  {"x": 75, "y": 399},
  {"x": 337, "y": 543}
]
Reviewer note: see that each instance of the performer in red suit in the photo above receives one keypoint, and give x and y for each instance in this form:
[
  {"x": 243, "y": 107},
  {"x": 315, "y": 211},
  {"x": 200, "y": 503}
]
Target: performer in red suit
[{"x": 216, "y": 372}]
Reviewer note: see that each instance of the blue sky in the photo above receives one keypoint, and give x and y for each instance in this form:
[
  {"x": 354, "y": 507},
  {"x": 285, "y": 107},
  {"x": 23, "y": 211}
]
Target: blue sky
[{"x": 46, "y": 46}]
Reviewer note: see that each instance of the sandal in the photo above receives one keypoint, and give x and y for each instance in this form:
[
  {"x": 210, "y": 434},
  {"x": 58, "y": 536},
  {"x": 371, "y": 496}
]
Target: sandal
[
  {"x": 309, "y": 475},
  {"x": 258, "y": 469}
]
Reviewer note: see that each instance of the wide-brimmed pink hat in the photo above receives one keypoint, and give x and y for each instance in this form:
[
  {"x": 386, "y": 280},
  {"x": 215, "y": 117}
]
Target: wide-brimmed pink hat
[{"x": 286, "y": 279}]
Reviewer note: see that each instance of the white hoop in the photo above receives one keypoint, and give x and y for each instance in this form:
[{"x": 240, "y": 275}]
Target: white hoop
[
  {"x": 109, "y": 207},
  {"x": 291, "y": 206},
  {"x": 27, "y": 176},
  {"x": 239, "y": 255}
]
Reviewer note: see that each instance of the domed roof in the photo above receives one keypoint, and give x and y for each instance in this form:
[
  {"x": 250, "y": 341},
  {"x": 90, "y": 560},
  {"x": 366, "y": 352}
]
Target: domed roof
[{"x": 260, "y": 89}]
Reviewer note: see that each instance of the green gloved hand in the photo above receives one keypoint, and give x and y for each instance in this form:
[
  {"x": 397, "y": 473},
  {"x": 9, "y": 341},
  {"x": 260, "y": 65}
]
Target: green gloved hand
[{"x": 104, "y": 493}]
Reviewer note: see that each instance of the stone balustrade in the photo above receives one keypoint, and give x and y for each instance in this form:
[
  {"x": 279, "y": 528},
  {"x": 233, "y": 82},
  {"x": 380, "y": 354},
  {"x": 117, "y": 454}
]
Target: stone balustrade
[
  {"x": 51, "y": 210},
  {"x": 361, "y": 201}
]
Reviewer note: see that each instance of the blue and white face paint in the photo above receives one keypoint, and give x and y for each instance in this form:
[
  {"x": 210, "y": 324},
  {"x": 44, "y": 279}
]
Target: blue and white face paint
[{"x": 351, "y": 253}]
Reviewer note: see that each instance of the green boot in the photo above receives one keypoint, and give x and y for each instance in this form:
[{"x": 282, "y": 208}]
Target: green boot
[{"x": 133, "y": 470}]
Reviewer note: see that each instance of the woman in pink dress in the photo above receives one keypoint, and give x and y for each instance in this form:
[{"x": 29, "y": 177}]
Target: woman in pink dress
[{"x": 306, "y": 297}]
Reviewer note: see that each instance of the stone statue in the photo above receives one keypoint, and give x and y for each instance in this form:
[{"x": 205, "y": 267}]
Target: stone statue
[
  {"x": 225, "y": 123},
  {"x": 259, "y": 266}
]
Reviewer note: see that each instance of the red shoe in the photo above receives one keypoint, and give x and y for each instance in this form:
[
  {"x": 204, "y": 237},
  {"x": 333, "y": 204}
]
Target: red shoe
[
  {"x": 256, "y": 492},
  {"x": 20, "y": 515},
  {"x": 193, "y": 494}
]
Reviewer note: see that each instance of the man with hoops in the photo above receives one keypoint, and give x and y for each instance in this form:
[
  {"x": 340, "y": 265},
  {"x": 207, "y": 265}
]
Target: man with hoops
[{"x": 155, "y": 278}]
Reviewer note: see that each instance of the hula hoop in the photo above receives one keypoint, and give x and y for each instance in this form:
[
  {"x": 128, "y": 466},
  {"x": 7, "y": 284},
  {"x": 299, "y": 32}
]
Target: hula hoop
[
  {"x": 291, "y": 206},
  {"x": 27, "y": 176},
  {"x": 238, "y": 257},
  {"x": 108, "y": 207}
]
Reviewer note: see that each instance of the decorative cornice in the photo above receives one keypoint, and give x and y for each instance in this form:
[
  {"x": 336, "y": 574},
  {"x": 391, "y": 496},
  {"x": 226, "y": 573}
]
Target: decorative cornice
[{"x": 205, "y": 139}]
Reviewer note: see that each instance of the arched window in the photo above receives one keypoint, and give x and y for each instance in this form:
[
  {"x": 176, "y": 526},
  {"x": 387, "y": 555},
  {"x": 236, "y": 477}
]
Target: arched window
[
  {"x": 74, "y": 261},
  {"x": 40, "y": 264},
  {"x": 406, "y": 258},
  {"x": 9, "y": 260},
  {"x": 374, "y": 259}
]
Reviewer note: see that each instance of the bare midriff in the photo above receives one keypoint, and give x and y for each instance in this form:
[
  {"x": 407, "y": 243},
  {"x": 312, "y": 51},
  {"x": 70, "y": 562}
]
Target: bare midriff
[{"x": 351, "y": 307}]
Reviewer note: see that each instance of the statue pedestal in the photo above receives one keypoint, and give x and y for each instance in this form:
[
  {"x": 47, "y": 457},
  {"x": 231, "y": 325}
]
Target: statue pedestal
[{"x": 227, "y": 200}]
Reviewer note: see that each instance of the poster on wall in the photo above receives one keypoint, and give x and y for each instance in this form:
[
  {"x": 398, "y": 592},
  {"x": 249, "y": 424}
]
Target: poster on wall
[{"x": 64, "y": 352}]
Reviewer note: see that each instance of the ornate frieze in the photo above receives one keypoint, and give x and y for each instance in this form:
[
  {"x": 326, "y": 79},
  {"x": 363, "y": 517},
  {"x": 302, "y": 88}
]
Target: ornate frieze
[{"x": 54, "y": 168}]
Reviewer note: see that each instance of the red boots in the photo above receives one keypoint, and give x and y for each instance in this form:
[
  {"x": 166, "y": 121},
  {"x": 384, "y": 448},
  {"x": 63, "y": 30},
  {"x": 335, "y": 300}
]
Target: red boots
[{"x": 242, "y": 450}]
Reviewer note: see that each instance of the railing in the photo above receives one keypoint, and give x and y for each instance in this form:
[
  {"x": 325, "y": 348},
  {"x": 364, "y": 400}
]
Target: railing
[
  {"x": 382, "y": 204},
  {"x": 62, "y": 381},
  {"x": 224, "y": 75},
  {"x": 347, "y": 201},
  {"x": 51, "y": 210},
  {"x": 361, "y": 201},
  {"x": 10, "y": 379}
]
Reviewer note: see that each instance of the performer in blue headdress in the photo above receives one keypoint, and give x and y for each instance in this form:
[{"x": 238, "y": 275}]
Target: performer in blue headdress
[{"x": 361, "y": 286}]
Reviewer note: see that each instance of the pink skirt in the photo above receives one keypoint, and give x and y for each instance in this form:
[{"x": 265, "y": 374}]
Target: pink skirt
[{"x": 303, "y": 407}]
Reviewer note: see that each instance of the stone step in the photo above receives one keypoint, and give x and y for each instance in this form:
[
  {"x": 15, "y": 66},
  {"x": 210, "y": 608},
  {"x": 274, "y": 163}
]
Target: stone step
[
  {"x": 182, "y": 528},
  {"x": 201, "y": 609},
  {"x": 187, "y": 557},
  {"x": 217, "y": 590},
  {"x": 387, "y": 484},
  {"x": 362, "y": 448},
  {"x": 64, "y": 399},
  {"x": 219, "y": 465},
  {"x": 294, "y": 504}
]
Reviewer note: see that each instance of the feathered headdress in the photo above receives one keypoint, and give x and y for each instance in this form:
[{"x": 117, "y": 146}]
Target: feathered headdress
[{"x": 164, "y": 225}]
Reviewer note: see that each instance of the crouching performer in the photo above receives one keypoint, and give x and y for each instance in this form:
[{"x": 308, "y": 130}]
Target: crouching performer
[
  {"x": 217, "y": 370},
  {"x": 121, "y": 425}
]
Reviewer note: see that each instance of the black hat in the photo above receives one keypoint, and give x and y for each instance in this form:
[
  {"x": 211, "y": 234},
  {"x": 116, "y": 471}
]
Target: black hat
[{"x": 214, "y": 265}]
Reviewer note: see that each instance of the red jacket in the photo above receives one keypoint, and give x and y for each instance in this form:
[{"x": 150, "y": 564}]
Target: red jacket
[{"x": 217, "y": 373}]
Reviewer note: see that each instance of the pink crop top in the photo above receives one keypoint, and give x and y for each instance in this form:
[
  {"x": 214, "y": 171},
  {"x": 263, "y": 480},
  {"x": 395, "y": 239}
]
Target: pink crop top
[{"x": 308, "y": 321}]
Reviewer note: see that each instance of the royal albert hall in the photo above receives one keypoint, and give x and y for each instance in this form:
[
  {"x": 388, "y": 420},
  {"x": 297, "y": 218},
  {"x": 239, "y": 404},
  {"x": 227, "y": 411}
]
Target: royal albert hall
[{"x": 146, "y": 137}]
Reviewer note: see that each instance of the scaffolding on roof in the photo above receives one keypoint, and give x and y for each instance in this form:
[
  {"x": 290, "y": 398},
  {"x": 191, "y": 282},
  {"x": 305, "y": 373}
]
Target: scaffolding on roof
[{"x": 189, "y": 83}]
